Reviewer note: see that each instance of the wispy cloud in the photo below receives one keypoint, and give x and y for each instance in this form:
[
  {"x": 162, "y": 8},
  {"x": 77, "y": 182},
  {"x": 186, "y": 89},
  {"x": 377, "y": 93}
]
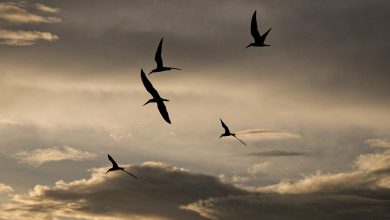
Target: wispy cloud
[
  {"x": 24, "y": 38},
  {"x": 46, "y": 8},
  {"x": 371, "y": 172},
  {"x": 38, "y": 157},
  {"x": 276, "y": 153},
  {"x": 378, "y": 142},
  {"x": 258, "y": 168},
  {"x": 259, "y": 134},
  {"x": 17, "y": 14}
]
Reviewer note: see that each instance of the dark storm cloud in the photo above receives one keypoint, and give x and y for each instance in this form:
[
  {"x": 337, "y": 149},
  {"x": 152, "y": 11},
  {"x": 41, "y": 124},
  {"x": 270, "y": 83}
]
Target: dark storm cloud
[{"x": 158, "y": 193}]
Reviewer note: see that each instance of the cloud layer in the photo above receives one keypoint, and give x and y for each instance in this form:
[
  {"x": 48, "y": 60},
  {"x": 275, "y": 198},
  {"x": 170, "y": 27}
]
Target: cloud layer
[{"x": 38, "y": 157}]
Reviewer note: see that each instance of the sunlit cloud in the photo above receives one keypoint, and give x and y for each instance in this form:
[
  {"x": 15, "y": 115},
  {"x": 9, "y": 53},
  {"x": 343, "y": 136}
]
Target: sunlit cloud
[
  {"x": 266, "y": 134},
  {"x": 5, "y": 188},
  {"x": 46, "y": 8},
  {"x": 378, "y": 143},
  {"x": 371, "y": 172},
  {"x": 38, "y": 157},
  {"x": 24, "y": 38},
  {"x": 17, "y": 14},
  {"x": 258, "y": 168}
]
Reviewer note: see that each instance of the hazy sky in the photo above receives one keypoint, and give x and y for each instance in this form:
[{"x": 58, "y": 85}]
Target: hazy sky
[{"x": 313, "y": 109}]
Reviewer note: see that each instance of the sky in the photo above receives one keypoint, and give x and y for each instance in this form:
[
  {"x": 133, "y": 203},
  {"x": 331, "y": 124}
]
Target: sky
[{"x": 313, "y": 109}]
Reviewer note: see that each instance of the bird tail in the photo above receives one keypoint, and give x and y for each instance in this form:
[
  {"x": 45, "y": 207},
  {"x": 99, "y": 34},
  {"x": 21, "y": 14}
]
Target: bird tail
[
  {"x": 130, "y": 174},
  {"x": 239, "y": 140}
]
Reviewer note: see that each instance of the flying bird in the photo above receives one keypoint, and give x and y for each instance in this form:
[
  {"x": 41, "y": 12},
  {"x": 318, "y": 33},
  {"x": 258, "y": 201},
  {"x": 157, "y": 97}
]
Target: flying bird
[
  {"x": 259, "y": 39},
  {"x": 160, "y": 67},
  {"x": 116, "y": 167},
  {"x": 228, "y": 133},
  {"x": 156, "y": 97}
]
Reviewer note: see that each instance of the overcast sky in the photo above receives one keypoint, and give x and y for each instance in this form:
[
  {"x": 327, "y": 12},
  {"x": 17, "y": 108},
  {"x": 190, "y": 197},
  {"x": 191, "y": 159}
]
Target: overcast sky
[{"x": 313, "y": 109}]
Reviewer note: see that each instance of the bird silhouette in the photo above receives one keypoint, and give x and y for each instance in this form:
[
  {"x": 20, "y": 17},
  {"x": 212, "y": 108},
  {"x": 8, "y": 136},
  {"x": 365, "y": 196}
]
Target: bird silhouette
[
  {"x": 116, "y": 167},
  {"x": 228, "y": 133},
  {"x": 160, "y": 67},
  {"x": 259, "y": 39},
  {"x": 156, "y": 97}
]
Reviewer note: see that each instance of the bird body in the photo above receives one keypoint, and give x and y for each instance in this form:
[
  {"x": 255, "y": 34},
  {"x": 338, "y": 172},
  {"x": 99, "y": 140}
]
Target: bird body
[
  {"x": 228, "y": 133},
  {"x": 259, "y": 39},
  {"x": 160, "y": 66},
  {"x": 156, "y": 97},
  {"x": 116, "y": 167}
]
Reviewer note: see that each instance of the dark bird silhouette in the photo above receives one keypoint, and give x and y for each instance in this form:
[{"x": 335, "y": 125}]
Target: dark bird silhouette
[
  {"x": 160, "y": 67},
  {"x": 259, "y": 39},
  {"x": 116, "y": 167},
  {"x": 156, "y": 97},
  {"x": 228, "y": 133}
]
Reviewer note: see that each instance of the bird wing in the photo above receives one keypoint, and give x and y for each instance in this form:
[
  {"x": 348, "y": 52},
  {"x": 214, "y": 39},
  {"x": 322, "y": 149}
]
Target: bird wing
[
  {"x": 114, "y": 164},
  {"x": 265, "y": 35},
  {"x": 225, "y": 127},
  {"x": 130, "y": 174},
  {"x": 157, "y": 57},
  {"x": 148, "y": 85},
  {"x": 254, "y": 31},
  {"x": 163, "y": 111}
]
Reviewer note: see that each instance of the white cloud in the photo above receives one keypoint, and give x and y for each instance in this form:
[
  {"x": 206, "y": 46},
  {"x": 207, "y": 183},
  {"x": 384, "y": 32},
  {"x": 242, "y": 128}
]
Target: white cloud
[
  {"x": 38, "y": 157},
  {"x": 24, "y": 38},
  {"x": 46, "y": 8},
  {"x": 378, "y": 142},
  {"x": 17, "y": 14}
]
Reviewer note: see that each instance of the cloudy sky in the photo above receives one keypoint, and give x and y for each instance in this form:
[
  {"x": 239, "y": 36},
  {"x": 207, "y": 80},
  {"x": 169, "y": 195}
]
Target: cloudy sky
[{"x": 313, "y": 109}]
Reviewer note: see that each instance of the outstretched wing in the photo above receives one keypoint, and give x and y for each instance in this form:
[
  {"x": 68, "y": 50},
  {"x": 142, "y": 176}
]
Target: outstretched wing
[
  {"x": 225, "y": 127},
  {"x": 265, "y": 35},
  {"x": 158, "y": 57},
  {"x": 130, "y": 174},
  {"x": 239, "y": 140},
  {"x": 148, "y": 85},
  {"x": 254, "y": 31},
  {"x": 163, "y": 111},
  {"x": 114, "y": 164}
]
